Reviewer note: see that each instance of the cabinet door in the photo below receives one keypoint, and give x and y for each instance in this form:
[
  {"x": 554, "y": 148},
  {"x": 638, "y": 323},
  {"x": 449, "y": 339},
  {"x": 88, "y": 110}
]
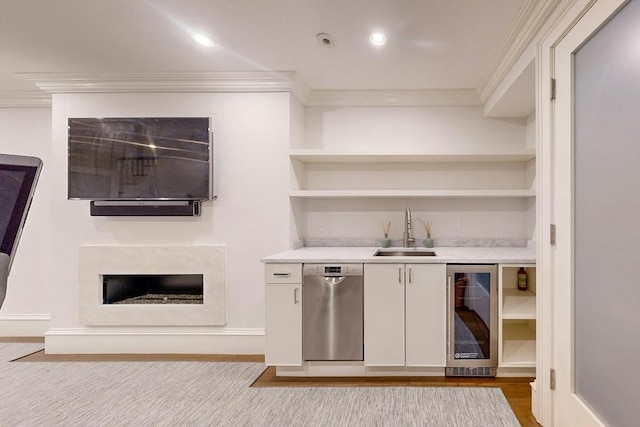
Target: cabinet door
[
  {"x": 426, "y": 302},
  {"x": 384, "y": 315},
  {"x": 283, "y": 325}
]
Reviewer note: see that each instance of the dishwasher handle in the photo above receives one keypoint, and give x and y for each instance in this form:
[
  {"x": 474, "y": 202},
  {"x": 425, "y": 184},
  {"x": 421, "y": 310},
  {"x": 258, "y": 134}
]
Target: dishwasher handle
[{"x": 333, "y": 280}]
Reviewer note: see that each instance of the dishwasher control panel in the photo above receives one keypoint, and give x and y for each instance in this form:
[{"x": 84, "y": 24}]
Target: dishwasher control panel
[{"x": 332, "y": 270}]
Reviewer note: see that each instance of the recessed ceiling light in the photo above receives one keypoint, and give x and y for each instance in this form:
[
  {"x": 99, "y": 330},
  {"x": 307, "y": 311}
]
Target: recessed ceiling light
[
  {"x": 203, "y": 40},
  {"x": 325, "y": 39},
  {"x": 377, "y": 38}
]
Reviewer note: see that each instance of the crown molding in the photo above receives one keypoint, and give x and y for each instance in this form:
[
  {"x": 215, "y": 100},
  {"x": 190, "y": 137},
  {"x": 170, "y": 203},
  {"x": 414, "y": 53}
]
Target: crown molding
[
  {"x": 530, "y": 20},
  {"x": 277, "y": 81},
  {"x": 389, "y": 98},
  {"x": 285, "y": 81},
  {"x": 24, "y": 99}
]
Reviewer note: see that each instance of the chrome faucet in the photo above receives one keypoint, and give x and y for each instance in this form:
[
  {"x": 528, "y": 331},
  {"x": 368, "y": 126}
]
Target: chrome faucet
[{"x": 407, "y": 237}]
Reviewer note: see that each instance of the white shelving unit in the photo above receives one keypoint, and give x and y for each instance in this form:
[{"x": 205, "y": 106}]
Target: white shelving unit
[
  {"x": 323, "y": 174},
  {"x": 454, "y": 193},
  {"x": 324, "y": 156},
  {"x": 518, "y": 344},
  {"x": 517, "y": 314},
  {"x": 518, "y": 305}
]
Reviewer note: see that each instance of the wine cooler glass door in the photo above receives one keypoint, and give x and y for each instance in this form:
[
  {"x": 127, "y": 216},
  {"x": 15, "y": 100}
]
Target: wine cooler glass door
[{"x": 472, "y": 316}]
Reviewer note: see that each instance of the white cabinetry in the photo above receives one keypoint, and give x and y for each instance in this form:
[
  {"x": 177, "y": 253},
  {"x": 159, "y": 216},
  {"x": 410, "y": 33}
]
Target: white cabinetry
[
  {"x": 283, "y": 326},
  {"x": 404, "y": 314},
  {"x": 384, "y": 314},
  {"x": 517, "y": 314}
]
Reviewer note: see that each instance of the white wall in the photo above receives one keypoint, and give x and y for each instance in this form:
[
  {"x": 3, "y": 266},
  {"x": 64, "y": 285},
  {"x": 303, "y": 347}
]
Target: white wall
[
  {"x": 250, "y": 216},
  {"x": 531, "y": 131},
  {"x": 414, "y": 129},
  {"x": 426, "y": 129},
  {"x": 296, "y": 141},
  {"x": 27, "y": 131},
  {"x": 252, "y": 135},
  {"x": 362, "y": 218}
]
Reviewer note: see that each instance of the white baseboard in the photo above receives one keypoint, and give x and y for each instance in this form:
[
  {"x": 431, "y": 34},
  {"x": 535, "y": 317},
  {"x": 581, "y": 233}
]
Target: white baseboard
[
  {"x": 355, "y": 369},
  {"x": 24, "y": 325},
  {"x": 114, "y": 341}
]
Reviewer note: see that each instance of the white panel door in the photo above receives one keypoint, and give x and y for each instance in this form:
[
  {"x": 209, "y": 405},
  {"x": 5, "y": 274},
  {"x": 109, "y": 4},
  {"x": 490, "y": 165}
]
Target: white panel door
[
  {"x": 384, "y": 315},
  {"x": 426, "y": 301},
  {"x": 283, "y": 326},
  {"x": 594, "y": 196}
]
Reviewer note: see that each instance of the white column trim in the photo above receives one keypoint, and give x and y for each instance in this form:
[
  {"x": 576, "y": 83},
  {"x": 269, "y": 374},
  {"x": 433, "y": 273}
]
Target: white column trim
[{"x": 557, "y": 27}]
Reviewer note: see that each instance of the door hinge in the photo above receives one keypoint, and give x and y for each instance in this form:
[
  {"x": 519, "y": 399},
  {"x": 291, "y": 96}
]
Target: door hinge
[
  {"x": 552, "y": 234},
  {"x": 552, "y": 379},
  {"x": 553, "y": 89}
]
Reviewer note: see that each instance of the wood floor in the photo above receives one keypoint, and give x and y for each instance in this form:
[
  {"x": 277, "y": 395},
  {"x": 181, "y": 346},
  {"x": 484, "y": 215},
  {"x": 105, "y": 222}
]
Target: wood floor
[{"x": 516, "y": 390}]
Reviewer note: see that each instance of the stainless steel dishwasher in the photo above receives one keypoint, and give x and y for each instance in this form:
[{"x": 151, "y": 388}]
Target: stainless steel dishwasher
[{"x": 332, "y": 312}]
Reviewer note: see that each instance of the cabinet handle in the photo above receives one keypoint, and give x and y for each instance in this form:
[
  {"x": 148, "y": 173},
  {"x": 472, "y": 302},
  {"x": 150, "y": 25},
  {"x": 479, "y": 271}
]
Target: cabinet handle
[
  {"x": 400, "y": 275},
  {"x": 282, "y": 274},
  {"x": 409, "y": 274},
  {"x": 295, "y": 296}
]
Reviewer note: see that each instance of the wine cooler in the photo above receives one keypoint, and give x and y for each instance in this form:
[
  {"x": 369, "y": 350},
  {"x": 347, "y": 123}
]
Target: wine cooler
[{"x": 472, "y": 320}]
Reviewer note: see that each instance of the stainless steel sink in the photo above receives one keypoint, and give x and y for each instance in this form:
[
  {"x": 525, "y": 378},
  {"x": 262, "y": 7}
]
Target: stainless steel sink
[{"x": 404, "y": 252}]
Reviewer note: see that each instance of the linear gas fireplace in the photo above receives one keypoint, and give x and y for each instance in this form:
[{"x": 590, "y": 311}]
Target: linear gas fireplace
[
  {"x": 152, "y": 285},
  {"x": 152, "y": 288}
]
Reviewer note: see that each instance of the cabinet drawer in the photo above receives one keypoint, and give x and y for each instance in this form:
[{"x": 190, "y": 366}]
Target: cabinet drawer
[{"x": 283, "y": 273}]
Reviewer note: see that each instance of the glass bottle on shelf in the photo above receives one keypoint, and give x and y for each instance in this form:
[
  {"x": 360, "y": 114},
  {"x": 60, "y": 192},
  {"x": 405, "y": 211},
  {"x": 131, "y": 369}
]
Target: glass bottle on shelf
[{"x": 522, "y": 279}]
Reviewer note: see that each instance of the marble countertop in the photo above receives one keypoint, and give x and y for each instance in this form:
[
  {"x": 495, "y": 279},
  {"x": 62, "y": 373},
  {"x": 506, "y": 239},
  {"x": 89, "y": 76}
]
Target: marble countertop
[{"x": 444, "y": 254}]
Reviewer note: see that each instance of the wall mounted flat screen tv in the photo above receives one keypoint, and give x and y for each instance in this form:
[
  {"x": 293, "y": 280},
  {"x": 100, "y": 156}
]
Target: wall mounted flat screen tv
[{"x": 150, "y": 158}]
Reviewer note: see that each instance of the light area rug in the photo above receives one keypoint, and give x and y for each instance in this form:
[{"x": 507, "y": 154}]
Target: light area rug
[{"x": 218, "y": 394}]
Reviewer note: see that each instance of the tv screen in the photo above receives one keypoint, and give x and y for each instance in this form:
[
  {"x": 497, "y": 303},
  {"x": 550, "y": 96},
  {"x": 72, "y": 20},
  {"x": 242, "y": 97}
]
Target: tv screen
[
  {"x": 18, "y": 177},
  {"x": 152, "y": 158}
]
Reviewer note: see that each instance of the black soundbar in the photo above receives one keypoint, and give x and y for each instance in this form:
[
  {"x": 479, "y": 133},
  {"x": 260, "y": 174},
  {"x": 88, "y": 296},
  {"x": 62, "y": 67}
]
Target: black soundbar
[{"x": 145, "y": 208}]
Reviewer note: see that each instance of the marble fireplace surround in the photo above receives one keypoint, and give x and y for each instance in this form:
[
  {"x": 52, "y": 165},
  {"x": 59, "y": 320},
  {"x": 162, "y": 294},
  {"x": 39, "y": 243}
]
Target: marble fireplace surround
[{"x": 95, "y": 261}]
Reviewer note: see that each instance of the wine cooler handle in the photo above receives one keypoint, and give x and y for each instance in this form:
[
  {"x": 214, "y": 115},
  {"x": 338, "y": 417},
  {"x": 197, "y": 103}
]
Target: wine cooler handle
[{"x": 449, "y": 319}]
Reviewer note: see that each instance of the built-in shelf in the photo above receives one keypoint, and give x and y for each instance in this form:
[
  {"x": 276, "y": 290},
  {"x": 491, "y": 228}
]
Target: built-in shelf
[
  {"x": 520, "y": 305},
  {"x": 325, "y": 156},
  {"x": 518, "y": 345},
  {"x": 404, "y": 180},
  {"x": 517, "y": 311},
  {"x": 340, "y": 194}
]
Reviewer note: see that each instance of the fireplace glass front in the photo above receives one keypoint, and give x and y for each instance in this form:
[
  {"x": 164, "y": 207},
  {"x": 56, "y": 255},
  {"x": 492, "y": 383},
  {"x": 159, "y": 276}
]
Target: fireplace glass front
[{"x": 152, "y": 288}]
